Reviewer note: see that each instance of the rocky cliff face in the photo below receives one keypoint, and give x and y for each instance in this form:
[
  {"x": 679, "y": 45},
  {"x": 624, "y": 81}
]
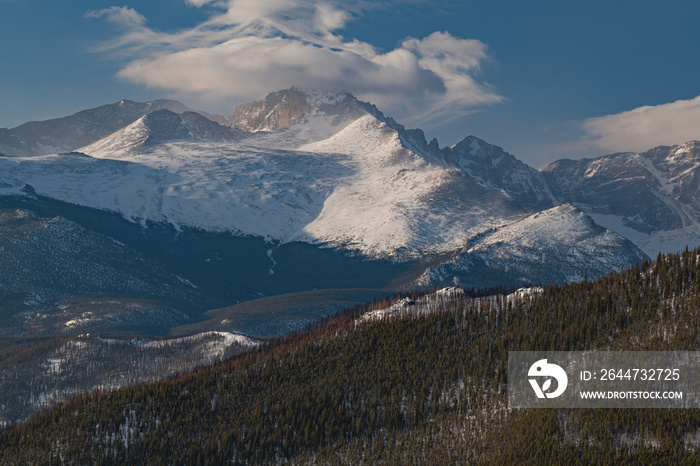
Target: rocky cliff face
[
  {"x": 495, "y": 168},
  {"x": 276, "y": 111},
  {"x": 652, "y": 198},
  {"x": 655, "y": 190}
]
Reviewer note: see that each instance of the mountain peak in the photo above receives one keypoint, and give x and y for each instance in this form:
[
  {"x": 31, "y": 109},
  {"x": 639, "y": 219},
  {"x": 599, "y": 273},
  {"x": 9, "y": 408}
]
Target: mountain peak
[
  {"x": 284, "y": 108},
  {"x": 80, "y": 129},
  {"x": 570, "y": 243},
  {"x": 493, "y": 167},
  {"x": 166, "y": 125},
  {"x": 475, "y": 148},
  {"x": 687, "y": 152},
  {"x": 158, "y": 127}
]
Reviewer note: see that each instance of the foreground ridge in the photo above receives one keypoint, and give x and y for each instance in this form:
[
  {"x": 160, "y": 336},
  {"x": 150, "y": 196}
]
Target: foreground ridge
[{"x": 410, "y": 389}]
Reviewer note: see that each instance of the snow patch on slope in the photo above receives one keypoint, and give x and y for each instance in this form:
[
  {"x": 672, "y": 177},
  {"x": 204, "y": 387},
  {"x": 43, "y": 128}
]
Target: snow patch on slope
[
  {"x": 664, "y": 241},
  {"x": 444, "y": 296},
  {"x": 212, "y": 344}
]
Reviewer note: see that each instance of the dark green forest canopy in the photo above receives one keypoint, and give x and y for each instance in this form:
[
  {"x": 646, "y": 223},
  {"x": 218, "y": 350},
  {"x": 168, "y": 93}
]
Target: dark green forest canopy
[{"x": 417, "y": 389}]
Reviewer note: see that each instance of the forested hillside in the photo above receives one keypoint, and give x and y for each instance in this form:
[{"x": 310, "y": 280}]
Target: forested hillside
[{"x": 426, "y": 388}]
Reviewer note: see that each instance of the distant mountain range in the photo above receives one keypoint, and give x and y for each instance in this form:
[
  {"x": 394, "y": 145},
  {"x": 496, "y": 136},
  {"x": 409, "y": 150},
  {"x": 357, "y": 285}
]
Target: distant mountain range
[
  {"x": 653, "y": 198},
  {"x": 309, "y": 190},
  {"x": 85, "y": 127}
]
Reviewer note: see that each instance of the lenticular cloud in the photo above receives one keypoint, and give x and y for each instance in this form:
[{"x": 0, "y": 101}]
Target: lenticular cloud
[{"x": 248, "y": 48}]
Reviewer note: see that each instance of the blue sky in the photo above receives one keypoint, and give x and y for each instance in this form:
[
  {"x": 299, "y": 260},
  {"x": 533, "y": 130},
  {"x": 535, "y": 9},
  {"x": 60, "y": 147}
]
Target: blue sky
[{"x": 544, "y": 80}]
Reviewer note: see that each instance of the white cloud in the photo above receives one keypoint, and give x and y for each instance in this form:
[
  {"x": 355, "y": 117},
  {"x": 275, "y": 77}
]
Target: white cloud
[
  {"x": 242, "y": 11},
  {"x": 457, "y": 62},
  {"x": 199, "y": 3},
  {"x": 254, "y": 65},
  {"x": 249, "y": 47},
  {"x": 644, "y": 127},
  {"x": 330, "y": 19},
  {"x": 120, "y": 15}
]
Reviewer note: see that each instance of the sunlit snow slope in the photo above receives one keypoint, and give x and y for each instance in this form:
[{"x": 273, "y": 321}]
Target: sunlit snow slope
[
  {"x": 360, "y": 188},
  {"x": 310, "y": 166},
  {"x": 557, "y": 245}
]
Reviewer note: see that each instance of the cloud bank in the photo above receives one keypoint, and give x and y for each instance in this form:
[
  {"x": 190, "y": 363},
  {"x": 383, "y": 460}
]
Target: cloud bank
[
  {"x": 248, "y": 48},
  {"x": 644, "y": 127}
]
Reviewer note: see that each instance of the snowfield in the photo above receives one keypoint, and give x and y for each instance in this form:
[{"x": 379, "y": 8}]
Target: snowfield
[
  {"x": 211, "y": 345},
  {"x": 360, "y": 188},
  {"x": 340, "y": 174}
]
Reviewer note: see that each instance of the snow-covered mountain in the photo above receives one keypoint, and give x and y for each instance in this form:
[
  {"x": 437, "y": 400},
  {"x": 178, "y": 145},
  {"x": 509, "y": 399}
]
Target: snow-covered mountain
[
  {"x": 284, "y": 108},
  {"x": 371, "y": 186},
  {"x": 161, "y": 126},
  {"x": 495, "y": 168},
  {"x": 561, "y": 244},
  {"x": 149, "y": 219},
  {"x": 69, "y": 133},
  {"x": 397, "y": 201},
  {"x": 311, "y": 167},
  {"x": 652, "y": 198}
]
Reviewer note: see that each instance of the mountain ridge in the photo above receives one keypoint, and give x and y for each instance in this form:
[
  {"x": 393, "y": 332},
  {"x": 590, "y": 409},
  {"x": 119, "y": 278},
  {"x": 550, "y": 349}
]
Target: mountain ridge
[
  {"x": 287, "y": 189},
  {"x": 320, "y": 167},
  {"x": 311, "y": 204},
  {"x": 408, "y": 380},
  {"x": 651, "y": 197},
  {"x": 68, "y": 133},
  {"x": 557, "y": 245},
  {"x": 162, "y": 125}
]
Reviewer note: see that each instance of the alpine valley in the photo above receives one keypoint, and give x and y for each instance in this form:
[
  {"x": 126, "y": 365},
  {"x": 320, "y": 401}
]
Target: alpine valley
[{"x": 156, "y": 221}]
